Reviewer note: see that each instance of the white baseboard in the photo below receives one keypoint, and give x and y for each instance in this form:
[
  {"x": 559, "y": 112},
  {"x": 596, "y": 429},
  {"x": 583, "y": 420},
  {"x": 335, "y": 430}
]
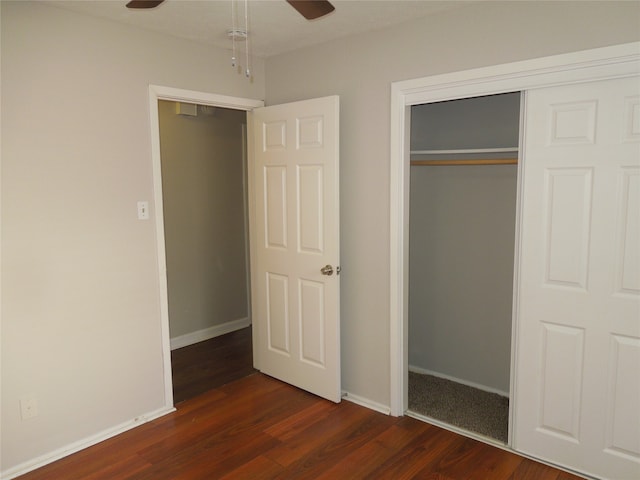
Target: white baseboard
[
  {"x": 365, "y": 402},
  {"x": 424, "y": 371},
  {"x": 74, "y": 447},
  {"x": 207, "y": 333}
]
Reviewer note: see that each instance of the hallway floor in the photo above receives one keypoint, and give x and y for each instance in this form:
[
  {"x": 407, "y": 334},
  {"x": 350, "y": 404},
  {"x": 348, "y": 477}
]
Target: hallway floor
[{"x": 210, "y": 364}]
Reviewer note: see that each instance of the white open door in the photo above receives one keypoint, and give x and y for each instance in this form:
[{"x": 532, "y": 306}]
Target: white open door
[
  {"x": 577, "y": 395},
  {"x": 295, "y": 249}
]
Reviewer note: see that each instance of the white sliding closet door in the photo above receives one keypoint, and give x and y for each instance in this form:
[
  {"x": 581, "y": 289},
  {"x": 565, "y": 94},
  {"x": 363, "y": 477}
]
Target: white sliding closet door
[{"x": 577, "y": 396}]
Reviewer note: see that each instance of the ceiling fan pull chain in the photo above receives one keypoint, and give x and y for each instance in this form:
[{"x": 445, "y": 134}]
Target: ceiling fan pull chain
[
  {"x": 233, "y": 29},
  {"x": 246, "y": 29}
]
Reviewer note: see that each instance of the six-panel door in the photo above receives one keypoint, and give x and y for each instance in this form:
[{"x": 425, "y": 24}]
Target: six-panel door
[
  {"x": 295, "y": 306},
  {"x": 577, "y": 399}
]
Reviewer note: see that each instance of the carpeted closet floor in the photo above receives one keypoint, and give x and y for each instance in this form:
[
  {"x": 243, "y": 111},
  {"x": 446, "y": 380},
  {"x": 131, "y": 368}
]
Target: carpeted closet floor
[{"x": 459, "y": 405}]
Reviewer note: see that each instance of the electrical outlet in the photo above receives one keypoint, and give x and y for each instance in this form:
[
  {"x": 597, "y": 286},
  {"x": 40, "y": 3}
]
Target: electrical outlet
[{"x": 28, "y": 408}]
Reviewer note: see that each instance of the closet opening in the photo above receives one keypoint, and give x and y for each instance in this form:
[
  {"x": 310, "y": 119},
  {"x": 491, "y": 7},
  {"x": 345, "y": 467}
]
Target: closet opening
[{"x": 462, "y": 221}]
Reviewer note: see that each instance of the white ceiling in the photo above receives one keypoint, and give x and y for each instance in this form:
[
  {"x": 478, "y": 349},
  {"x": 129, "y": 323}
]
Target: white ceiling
[{"x": 274, "y": 26}]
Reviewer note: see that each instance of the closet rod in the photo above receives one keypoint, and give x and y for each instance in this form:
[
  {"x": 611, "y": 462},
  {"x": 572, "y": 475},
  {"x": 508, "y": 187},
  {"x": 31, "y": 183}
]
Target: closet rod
[
  {"x": 478, "y": 161},
  {"x": 463, "y": 151}
]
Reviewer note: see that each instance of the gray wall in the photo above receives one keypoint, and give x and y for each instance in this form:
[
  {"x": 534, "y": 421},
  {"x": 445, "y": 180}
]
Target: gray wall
[
  {"x": 461, "y": 242},
  {"x": 80, "y": 281},
  {"x": 360, "y": 69},
  {"x": 482, "y": 122},
  {"x": 204, "y": 219}
]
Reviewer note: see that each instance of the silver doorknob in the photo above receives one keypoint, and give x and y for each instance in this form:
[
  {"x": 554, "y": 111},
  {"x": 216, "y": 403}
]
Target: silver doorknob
[{"x": 327, "y": 270}]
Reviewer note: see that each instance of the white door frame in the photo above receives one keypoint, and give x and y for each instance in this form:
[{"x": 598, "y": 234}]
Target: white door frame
[
  {"x": 599, "y": 64},
  {"x": 156, "y": 93}
]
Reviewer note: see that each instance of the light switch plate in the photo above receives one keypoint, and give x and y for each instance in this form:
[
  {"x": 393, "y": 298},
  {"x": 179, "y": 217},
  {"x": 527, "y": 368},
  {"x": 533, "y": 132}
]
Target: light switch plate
[{"x": 143, "y": 210}]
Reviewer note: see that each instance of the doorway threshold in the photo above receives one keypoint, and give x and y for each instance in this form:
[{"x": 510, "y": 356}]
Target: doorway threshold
[{"x": 460, "y": 431}]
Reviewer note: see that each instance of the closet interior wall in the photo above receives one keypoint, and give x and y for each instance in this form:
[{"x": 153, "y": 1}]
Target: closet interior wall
[{"x": 461, "y": 240}]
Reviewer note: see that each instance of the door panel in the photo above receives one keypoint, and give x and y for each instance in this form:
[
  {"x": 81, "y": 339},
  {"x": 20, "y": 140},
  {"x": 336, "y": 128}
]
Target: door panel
[
  {"x": 568, "y": 215},
  {"x": 563, "y": 349},
  {"x": 627, "y": 260},
  {"x": 275, "y": 201},
  {"x": 278, "y": 313},
  {"x": 295, "y": 306},
  {"x": 577, "y": 392},
  {"x": 623, "y": 397}
]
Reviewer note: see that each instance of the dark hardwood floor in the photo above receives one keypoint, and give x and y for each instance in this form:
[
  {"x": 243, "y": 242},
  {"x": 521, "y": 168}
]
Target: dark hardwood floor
[
  {"x": 205, "y": 365},
  {"x": 260, "y": 428}
]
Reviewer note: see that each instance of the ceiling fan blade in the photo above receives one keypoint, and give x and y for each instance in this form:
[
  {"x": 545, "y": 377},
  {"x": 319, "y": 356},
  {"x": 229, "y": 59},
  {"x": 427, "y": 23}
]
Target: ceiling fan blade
[
  {"x": 144, "y": 3},
  {"x": 312, "y": 9}
]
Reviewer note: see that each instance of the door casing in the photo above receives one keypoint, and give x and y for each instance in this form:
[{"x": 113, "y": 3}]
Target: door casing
[
  {"x": 157, "y": 92},
  {"x": 598, "y": 64}
]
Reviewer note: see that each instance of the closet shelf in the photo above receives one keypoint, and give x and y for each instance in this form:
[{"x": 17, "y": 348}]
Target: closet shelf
[
  {"x": 476, "y": 161},
  {"x": 465, "y": 161}
]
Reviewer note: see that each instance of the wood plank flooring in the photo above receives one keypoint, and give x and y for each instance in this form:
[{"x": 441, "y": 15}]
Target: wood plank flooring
[
  {"x": 260, "y": 428},
  {"x": 205, "y": 365}
]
